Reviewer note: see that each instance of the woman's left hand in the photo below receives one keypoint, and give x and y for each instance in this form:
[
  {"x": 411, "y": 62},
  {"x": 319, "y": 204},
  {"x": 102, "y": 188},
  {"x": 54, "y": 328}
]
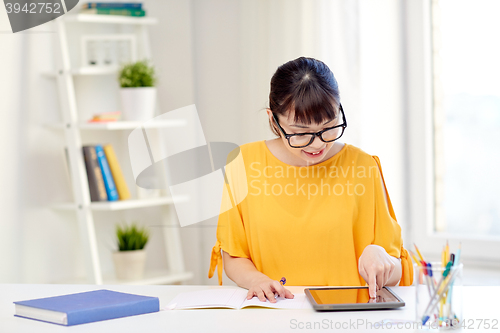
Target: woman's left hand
[{"x": 376, "y": 267}]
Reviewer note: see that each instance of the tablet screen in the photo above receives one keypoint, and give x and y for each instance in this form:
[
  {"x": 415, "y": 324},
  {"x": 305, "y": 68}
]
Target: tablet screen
[{"x": 349, "y": 296}]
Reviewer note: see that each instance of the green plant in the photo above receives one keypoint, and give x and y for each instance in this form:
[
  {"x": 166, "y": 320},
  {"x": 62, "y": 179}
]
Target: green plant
[
  {"x": 137, "y": 74},
  {"x": 131, "y": 237}
]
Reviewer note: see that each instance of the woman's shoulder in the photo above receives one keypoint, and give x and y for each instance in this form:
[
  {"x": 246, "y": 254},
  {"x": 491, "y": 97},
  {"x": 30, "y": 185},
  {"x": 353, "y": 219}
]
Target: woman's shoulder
[
  {"x": 253, "y": 149},
  {"x": 252, "y": 146},
  {"x": 249, "y": 151},
  {"x": 359, "y": 156}
]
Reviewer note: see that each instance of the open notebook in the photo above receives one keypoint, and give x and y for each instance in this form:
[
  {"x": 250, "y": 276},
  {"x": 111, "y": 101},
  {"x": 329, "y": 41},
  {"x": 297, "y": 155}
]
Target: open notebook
[{"x": 232, "y": 298}]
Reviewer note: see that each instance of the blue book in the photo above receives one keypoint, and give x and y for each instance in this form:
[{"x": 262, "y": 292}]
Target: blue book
[
  {"x": 118, "y": 5},
  {"x": 86, "y": 307},
  {"x": 109, "y": 182}
]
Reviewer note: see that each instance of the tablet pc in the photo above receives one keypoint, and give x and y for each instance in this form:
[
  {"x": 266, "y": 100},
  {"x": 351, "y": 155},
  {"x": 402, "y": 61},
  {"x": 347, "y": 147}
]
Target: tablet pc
[{"x": 352, "y": 298}]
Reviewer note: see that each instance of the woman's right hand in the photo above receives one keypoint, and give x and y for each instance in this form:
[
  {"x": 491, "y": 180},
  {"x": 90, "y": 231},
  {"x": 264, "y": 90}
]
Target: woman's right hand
[
  {"x": 267, "y": 288},
  {"x": 243, "y": 272}
]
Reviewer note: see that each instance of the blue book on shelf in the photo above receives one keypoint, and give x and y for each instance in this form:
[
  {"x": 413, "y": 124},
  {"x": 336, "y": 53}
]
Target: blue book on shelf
[
  {"x": 86, "y": 307},
  {"x": 114, "y": 5},
  {"x": 109, "y": 182}
]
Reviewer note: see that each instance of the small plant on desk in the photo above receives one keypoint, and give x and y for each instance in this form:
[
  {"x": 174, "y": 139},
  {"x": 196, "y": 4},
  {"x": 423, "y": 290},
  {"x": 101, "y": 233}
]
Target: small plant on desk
[{"x": 130, "y": 258}]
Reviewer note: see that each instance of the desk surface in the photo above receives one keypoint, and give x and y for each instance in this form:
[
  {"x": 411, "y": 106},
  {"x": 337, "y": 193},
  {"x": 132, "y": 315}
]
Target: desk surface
[{"x": 478, "y": 303}]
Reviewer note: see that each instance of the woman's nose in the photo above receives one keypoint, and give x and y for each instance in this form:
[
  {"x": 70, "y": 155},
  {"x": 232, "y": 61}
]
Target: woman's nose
[{"x": 317, "y": 143}]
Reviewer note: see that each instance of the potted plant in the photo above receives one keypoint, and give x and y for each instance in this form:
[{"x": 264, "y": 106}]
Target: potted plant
[
  {"x": 130, "y": 258},
  {"x": 138, "y": 91}
]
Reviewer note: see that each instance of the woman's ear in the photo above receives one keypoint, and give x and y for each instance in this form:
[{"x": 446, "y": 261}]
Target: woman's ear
[
  {"x": 269, "y": 114},
  {"x": 272, "y": 123},
  {"x": 271, "y": 118}
]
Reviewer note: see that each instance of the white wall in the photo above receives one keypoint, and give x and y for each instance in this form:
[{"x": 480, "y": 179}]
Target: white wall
[
  {"x": 173, "y": 52},
  {"x": 10, "y": 102},
  {"x": 38, "y": 245},
  {"x": 42, "y": 245},
  {"x": 381, "y": 96},
  {"x": 220, "y": 55}
]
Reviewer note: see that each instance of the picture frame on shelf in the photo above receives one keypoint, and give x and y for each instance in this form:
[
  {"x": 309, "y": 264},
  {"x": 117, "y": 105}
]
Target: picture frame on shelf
[{"x": 108, "y": 51}]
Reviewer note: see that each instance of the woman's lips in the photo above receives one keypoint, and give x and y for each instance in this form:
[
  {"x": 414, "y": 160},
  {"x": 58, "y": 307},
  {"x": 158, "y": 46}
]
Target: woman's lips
[{"x": 314, "y": 154}]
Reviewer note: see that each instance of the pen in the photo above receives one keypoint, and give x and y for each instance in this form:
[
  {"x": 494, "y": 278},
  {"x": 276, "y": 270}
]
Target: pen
[
  {"x": 429, "y": 271},
  {"x": 448, "y": 293},
  {"x": 282, "y": 282},
  {"x": 447, "y": 249},
  {"x": 451, "y": 258},
  {"x": 426, "y": 274},
  {"x": 443, "y": 264},
  {"x": 456, "y": 263}
]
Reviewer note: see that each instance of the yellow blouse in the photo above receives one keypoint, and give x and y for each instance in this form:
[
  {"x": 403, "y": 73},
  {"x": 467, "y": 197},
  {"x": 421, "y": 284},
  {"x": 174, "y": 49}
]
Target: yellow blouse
[{"x": 308, "y": 224}]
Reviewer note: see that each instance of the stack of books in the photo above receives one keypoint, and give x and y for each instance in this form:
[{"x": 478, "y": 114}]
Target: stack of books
[
  {"x": 113, "y": 8},
  {"x": 106, "y": 181}
]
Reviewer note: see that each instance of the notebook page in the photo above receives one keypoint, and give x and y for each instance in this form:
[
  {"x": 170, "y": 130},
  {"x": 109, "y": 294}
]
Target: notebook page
[
  {"x": 298, "y": 302},
  {"x": 228, "y": 298}
]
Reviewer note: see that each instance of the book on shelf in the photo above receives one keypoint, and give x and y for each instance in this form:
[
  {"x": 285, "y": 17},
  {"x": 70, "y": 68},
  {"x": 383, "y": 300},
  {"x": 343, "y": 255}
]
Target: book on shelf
[
  {"x": 86, "y": 307},
  {"x": 104, "y": 174},
  {"x": 114, "y": 11},
  {"x": 109, "y": 182},
  {"x": 94, "y": 175},
  {"x": 128, "y": 5},
  {"x": 116, "y": 172}
]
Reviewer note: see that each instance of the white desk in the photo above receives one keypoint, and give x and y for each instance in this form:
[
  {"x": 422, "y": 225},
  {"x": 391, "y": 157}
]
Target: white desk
[{"x": 479, "y": 303}]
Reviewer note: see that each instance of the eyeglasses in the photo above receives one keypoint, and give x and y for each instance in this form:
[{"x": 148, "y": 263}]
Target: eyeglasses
[{"x": 302, "y": 140}]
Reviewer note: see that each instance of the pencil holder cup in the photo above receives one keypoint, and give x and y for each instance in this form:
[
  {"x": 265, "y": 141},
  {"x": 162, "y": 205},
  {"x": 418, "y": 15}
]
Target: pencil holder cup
[{"x": 438, "y": 296}]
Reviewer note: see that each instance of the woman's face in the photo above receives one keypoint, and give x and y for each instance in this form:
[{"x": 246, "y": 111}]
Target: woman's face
[{"x": 318, "y": 150}]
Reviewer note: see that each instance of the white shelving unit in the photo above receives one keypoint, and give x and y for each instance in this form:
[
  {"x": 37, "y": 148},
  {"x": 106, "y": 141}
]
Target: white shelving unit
[{"x": 72, "y": 126}]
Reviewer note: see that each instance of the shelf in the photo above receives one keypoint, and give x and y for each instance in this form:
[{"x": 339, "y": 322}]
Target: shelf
[
  {"x": 112, "y": 19},
  {"x": 150, "y": 278},
  {"x": 122, "y": 205},
  {"x": 123, "y": 125},
  {"x": 89, "y": 70},
  {"x": 159, "y": 277}
]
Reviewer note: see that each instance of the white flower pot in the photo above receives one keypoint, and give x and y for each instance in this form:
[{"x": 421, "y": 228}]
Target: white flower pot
[
  {"x": 129, "y": 265},
  {"x": 139, "y": 103}
]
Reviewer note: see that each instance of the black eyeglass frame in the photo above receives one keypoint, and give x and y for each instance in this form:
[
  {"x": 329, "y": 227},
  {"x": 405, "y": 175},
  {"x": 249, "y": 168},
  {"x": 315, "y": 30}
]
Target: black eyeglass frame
[{"x": 314, "y": 135}]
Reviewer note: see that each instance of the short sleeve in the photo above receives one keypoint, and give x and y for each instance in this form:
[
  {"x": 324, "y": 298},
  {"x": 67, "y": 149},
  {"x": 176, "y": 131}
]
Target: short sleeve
[
  {"x": 387, "y": 231},
  {"x": 231, "y": 235}
]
